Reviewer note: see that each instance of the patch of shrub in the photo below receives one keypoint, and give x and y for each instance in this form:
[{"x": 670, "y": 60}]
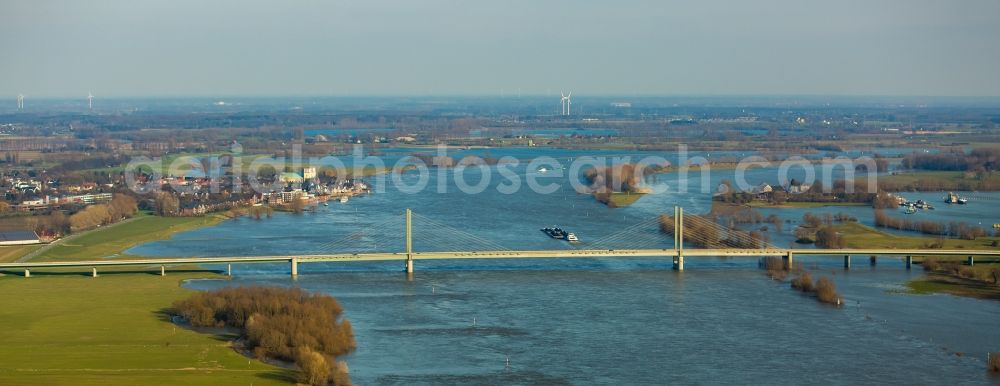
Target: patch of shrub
[
  {"x": 826, "y": 291},
  {"x": 282, "y": 323},
  {"x": 775, "y": 267},
  {"x": 803, "y": 282},
  {"x": 827, "y": 237},
  {"x": 704, "y": 232},
  {"x": 967, "y": 272},
  {"x": 315, "y": 370},
  {"x": 931, "y": 265},
  {"x": 844, "y": 217}
]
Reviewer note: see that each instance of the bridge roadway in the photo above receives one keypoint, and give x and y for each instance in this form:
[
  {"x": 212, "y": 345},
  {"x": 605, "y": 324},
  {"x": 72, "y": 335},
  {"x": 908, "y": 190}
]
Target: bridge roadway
[{"x": 569, "y": 253}]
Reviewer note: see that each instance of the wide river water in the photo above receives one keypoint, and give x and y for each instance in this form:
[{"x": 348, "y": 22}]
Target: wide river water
[{"x": 600, "y": 321}]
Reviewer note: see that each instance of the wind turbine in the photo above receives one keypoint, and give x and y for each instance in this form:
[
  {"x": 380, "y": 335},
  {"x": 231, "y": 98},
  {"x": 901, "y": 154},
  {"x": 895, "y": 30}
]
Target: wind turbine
[
  {"x": 20, "y": 101},
  {"x": 566, "y": 102},
  {"x": 90, "y": 100}
]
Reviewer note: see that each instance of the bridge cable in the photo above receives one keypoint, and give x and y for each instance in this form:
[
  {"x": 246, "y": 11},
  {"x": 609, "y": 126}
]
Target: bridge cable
[{"x": 446, "y": 233}]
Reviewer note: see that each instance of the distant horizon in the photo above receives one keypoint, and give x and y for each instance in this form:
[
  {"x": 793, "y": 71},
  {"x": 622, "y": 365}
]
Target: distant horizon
[
  {"x": 584, "y": 105},
  {"x": 228, "y": 48},
  {"x": 496, "y": 96}
]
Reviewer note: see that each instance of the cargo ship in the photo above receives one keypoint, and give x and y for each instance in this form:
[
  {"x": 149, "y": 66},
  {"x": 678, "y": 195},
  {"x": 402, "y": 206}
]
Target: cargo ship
[{"x": 560, "y": 234}]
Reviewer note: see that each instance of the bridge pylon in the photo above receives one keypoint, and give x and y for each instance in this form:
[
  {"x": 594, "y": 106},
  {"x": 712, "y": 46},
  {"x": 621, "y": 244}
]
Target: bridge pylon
[
  {"x": 679, "y": 238},
  {"x": 409, "y": 241}
]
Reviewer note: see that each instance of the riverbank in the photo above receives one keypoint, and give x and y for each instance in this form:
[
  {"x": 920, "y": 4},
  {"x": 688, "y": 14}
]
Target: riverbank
[
  {"x": 114, "y": 240},
  {"x": 73, "y": 329}
]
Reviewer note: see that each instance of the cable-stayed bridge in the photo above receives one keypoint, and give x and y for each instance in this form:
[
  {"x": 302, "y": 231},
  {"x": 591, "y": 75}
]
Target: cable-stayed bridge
[{"x": 676, "y": 237}]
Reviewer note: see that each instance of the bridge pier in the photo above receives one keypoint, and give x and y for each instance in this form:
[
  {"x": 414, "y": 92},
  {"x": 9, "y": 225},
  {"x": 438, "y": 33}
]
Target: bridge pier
[
  {"x": 163, "y": 270},
  {"x": 909, "y": 262},
  {"x": 788, "y": 261},
  {"x": 409, "y": 266},
  {"x": 93, "y": 272},
  {"x": 679, "y": 263},
  {"x": 294, "y": 263},
  {"x": 847, "y": 261},
  {"x": 229, "y": 269},
  {"x": 27, "y": 272},
  {"x": 971, "y": 261}
]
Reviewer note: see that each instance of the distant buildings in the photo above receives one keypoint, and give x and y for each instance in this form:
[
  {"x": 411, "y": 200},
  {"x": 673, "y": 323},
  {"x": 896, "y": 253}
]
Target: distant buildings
[
  {"x": 48, "y": 201},
  {"x": 291, "y": 178}
]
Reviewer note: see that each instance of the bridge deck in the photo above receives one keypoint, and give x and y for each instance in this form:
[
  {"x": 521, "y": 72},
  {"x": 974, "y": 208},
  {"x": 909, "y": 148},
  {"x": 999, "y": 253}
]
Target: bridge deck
[{"x": 587, "y": 253}]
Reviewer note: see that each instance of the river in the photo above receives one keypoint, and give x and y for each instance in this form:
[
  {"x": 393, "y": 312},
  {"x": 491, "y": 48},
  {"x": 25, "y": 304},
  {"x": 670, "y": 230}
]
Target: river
[{"x": 597, "y": 321}]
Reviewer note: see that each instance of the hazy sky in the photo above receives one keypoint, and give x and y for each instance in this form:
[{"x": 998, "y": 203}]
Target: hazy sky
[{"x": 414, "y": 47}]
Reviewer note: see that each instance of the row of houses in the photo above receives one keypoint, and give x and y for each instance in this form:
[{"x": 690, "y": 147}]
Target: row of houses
[
  {"x": 49, "y": 201},
  {"x": 34, "y": 186},
  {"x": 765, "y": 188}
]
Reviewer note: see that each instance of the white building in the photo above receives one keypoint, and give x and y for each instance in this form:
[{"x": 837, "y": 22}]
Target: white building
[
  {"x": 763, "y": 188},
  {"x": 308, "y": 173},
  {"x": 798, "y": 189}
]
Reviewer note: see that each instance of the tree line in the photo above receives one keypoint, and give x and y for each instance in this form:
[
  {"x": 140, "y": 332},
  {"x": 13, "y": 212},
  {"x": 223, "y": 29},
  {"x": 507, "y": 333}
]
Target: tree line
[
  {"x": 978, "y": 159},
  {"x": 951, "y": 229},
  {"x": 704, "y": 233},
  {"x": 56, "y": 223},
  {"x": 121, "y": 207}
]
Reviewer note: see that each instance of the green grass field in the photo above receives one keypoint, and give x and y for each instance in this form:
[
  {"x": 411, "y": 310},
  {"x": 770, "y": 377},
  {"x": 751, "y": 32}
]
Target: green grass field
[
  {"x": 861, "y": 236},
  {"x": 114, "y": 239},
  {"x": 14, "y": 252},
  {"x": 938, "y": 283},
  {"x": 78, "y": 330}
]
